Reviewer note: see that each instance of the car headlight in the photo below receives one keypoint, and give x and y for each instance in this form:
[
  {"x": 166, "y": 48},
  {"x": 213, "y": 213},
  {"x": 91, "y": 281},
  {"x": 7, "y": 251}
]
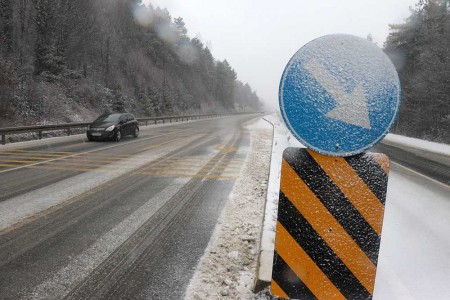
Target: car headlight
[{"x": 110, "y": 128}]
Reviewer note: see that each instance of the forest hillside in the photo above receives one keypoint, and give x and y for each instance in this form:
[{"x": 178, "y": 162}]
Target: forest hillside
[{"x": 69, "y": 60}]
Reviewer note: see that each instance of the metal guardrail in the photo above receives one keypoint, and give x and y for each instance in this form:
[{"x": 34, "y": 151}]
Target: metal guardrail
[
  {"x": 41, "y": 128},
  {"x": 177, "y": 118},
  {"x": 433, "y": 163}
]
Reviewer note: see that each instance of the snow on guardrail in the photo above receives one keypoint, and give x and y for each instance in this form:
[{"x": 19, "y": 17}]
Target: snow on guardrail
[{"x": 418, "y": 144}]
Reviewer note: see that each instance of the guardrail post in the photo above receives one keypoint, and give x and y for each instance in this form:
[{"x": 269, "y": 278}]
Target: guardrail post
[
  {"x": 3, "y": 139},
  {"x": 40, "y": 134},
  {"x": 68, "y": 131},
  {"x": 146, "y": 123}
]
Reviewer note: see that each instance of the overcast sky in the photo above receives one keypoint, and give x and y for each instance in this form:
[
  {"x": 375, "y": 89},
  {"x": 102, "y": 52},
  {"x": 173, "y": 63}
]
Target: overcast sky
[{"x": 258, "y": 37}]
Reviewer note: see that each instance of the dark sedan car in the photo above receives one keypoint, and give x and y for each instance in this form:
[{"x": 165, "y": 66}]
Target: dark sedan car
[{"x": 113, "y": 126}]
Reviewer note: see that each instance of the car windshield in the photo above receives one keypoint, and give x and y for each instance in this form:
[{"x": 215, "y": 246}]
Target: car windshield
[{"x": 108, "y": 118}]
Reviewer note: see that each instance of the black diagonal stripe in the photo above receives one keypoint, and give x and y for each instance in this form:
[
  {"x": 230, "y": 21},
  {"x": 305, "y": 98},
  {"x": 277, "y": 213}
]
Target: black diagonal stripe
[
  {"x": 334, "y": 200},
  {"x": 288, "y": 281},
  {"x": 319, "y": 251},
  {"x": 371, "y": 173}
]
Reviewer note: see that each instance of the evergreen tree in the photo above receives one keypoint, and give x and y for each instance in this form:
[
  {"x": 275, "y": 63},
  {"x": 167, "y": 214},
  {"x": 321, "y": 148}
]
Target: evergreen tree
[{"x": 419, "y": 48}]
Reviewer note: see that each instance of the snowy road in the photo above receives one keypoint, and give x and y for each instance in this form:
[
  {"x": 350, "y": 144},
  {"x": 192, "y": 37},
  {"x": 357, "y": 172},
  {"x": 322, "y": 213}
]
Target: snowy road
[
  {"x": 414, "y": 258},
  {"x": 415, "y": 249},
  {"x": 131, "y": 219},
  {"x": 114, "y": 220}
]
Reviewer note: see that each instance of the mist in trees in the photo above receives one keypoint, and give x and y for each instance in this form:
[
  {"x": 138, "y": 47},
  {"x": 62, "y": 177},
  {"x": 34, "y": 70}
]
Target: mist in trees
[
  {"x": 67, "y": 60},
  {"x": 420, "y": 50}
]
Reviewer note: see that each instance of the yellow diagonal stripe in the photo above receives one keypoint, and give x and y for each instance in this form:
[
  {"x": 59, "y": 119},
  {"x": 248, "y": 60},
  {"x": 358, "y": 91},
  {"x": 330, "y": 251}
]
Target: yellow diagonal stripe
[
  {"x": 354, "y": 189},
  {"x": 327, "y": 227},
  {"x": 277, "y": 291},
  {"x": 304, "y": 267}
]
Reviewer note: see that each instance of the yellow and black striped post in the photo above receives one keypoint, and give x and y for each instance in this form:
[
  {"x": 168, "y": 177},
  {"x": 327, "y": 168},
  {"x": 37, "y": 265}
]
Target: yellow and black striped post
[{"x": 330, "y": 216}]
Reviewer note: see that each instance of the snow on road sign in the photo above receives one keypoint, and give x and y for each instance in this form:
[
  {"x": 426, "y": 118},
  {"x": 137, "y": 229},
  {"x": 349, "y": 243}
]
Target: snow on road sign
[{"x": 339, "y": 95}]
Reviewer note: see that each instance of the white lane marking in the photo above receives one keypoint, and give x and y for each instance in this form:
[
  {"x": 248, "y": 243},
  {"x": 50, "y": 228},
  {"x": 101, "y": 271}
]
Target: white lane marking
[
  {"x": 83, "y": 264},
  {"x": 86, "y": 152},
  {"x": 351, "y": 107},
  {"x": 421, "y": 175}
]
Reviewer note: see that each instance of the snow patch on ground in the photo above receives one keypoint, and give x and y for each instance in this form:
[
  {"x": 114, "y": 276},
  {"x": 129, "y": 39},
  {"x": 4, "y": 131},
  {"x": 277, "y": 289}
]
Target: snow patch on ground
[{"x": 227, "y": 269}]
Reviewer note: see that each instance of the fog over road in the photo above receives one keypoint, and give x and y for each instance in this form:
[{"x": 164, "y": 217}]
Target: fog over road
[{"x": 125, "y": 219}]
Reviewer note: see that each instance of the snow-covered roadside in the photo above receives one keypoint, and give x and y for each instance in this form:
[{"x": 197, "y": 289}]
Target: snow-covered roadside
[
  {"x": 227, "y": 269},
  {"x": 282, "y": 138}
]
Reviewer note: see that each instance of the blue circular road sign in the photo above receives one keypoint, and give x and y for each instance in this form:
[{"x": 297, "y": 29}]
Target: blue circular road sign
[{"x": 339, "y": 95}]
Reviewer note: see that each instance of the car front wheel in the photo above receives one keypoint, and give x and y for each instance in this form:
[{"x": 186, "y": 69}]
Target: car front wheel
[
  {"x": 136, "y": 132},
  {"x": 118, "y": 135}
]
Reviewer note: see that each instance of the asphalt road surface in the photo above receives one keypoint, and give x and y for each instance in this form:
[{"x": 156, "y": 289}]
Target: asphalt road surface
[{"x": 115, "y": 220}]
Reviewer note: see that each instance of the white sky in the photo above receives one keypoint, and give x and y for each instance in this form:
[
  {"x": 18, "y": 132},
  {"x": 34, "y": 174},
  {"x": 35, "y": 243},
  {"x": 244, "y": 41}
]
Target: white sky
[{"x": 258, "y": 37}]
